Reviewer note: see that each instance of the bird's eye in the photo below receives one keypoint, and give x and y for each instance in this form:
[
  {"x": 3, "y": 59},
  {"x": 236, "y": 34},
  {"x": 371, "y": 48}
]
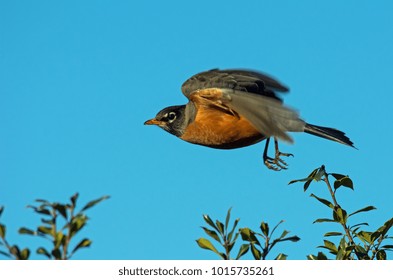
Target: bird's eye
[{"x": 171, "y": 116}]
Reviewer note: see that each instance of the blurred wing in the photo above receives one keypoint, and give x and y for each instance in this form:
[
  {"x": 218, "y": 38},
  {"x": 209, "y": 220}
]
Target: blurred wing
[
  {"x": 236, "y": 79},
  {"x": 269, "y": 116},
  {"x": 247, "y": 93}
]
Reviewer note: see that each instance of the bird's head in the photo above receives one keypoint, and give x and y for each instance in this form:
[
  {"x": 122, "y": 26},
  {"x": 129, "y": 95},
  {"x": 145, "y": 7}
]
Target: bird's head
[{"x": 171, "y": 119}]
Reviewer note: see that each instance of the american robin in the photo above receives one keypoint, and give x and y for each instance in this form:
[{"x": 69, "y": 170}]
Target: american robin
[{"x": 230, "y": 109}]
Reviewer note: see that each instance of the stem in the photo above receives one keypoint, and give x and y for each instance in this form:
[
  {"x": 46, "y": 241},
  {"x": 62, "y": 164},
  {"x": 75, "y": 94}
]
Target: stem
[
  {"x": 330, "y": 190},
  {"x": 375, "y": 248},
  {"x": 346, "y": 229},
  {"x": 344, "y": 225},
  {"x": 266, "y": 249},
  {"x": 8, "y": 247},
  {"x": 54, "y": 226},
  {"x": 68, "y": 236}
]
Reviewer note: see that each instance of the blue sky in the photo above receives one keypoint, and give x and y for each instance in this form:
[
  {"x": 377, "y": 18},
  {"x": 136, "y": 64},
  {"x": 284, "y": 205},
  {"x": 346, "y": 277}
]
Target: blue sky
[{"x": 78, "y": 79}]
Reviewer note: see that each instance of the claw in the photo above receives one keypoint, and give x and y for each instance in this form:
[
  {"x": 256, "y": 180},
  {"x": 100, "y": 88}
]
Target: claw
[{"x": 276, "y": 163}]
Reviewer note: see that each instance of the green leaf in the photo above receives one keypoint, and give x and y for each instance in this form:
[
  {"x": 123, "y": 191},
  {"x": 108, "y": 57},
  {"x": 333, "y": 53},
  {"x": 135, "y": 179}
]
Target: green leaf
[
  {"x": 284, "y": 233},
  {"x": 45, "y": 230},
  {"x": 243, "y": 250},
  {"x": 220, "y": 227},
  {"x": 5, "y": 254},
  {"x": 341, "y": 254},
  {"x": 324, "y": 220},
  {"x": 308, "y": 178},
  {"x": 24, "y": 230},
  {"x": 248, "y": 235},
  {"x": 82, "y": 244},
  {"x": 381, "y": 255},
  {"x": 320, "y": 256},
  {"x": 229, "y": 246},
  {"x": 343, "y": 243},
  {"x": 3, "y": 229},
  {"x": 209, "y": 221},
  {"x": 14, "y": 250},
  {"x": 324, "y": 201},
  {"x": 236, "y": 236},
  {"x": 344, "y": 250},
  {"x": 388, "y": 247},
  {"x": 386, "y": 227},
  {"x": 338, "y": 176},
  {"x": 228, "y": 217},
  {"x": 375, "y": 235},
  {"x": 342, "y": 180},
  {"x": 255, "y": 252},
  {"x": 73, "y": 199},
  {"x": 292, "y": 238},
  {"x": 330, "y": 246},
  {"x": 94, "y": 202},
  {"x": 43, "y": 251},
  {"x": 281, "y": 257},
  {"x": 340, "y": 215},
  {"x": 212, "y": 234},
  {"x": 332, "y": 233},
  {"x": 206, "y": 244},
  {"x": 40, "y": 210},
  {"x": 299, "y": 180},
  {"x": 365, "y": 236},
  {"x": 365, "y": 209},
  {"x": 358, "y": 225},
  {"x": 59, "y": 239},
  {"x": 50, "y": 222},
  {"x": 77, "y": 223},
  {"x": 361, "y": 253},
  {"x": 43, "y": 201},
  {"x": 62, "y": 209},
  {"x": 358, "y": 249},
  {"x": 320, "y": 172},
  {"x": 274, "y": 229},
  {"x": 233, "y": 229},
  {"x": 316, "y": 175},
  {"x": 306, "y": 185},
  {"x": 312, "y": 257},
  {"x": 57, "y": 254},
  {"x": 24, "y": 254},
  {"x": 264, "y": 228}
]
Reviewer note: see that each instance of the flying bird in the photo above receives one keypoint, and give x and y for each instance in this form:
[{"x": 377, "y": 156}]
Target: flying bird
[{"x": 234, "y": 108}]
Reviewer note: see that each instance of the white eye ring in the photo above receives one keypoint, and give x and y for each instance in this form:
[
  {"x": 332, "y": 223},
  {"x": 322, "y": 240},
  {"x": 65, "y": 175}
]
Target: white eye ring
[{"x": 171, "y": 116}]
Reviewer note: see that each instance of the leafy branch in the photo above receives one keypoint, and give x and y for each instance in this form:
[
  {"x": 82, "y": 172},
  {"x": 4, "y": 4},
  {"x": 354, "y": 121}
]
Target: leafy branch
[
  {"x": 60, "y": 224},
  {"x": 226, "y": 237},
  {"x": 372, "y": 244},
  {"x": 12, "y": 251},
  {"x": 268, "y": 242}
]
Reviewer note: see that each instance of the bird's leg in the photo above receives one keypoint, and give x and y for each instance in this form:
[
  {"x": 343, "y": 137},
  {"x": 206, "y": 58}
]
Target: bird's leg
[
  {"x": 275, "y": 163},
  {"x": 279, "y": 154}
]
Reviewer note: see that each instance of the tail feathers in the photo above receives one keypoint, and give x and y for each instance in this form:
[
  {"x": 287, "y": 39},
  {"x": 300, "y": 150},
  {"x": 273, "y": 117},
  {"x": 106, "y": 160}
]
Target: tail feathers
[{"x": 328, "y": 133}]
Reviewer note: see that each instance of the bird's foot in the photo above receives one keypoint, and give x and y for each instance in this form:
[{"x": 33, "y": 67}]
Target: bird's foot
[{"x": 276, "y": 163}]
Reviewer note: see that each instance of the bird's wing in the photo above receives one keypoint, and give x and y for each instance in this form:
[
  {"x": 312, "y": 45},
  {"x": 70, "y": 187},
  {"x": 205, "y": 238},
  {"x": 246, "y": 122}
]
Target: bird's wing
[
  {"x": 249, "y": 94},
  {"x": 269, "y": 116},
  {"x": 236, "y": 79}
]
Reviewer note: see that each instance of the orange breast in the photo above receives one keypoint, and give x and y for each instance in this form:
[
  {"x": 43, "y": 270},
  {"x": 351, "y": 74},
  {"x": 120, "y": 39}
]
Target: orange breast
[{"x": 215, "y": 128}]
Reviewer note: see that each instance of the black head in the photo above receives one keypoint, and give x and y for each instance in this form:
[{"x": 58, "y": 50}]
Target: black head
[{"x": 171, "y": 119}]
